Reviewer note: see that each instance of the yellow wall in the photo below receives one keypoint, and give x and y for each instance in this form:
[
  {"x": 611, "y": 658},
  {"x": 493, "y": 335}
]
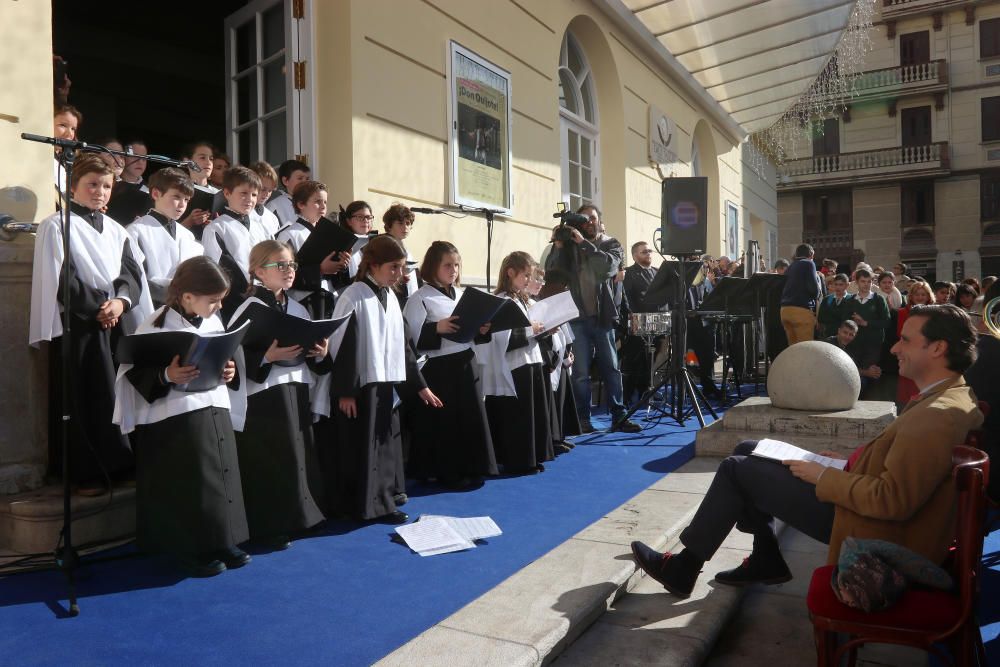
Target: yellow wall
[
  {"x": 26, "y": 100},
  {"x": 387, "y": 62}
]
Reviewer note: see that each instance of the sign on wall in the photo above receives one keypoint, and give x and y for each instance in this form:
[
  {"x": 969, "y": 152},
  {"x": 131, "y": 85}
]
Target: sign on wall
[
  {"x": 732, "y": 230},
  {"x": 663, "y": 141},
  {"x": 479, "y": 141}
]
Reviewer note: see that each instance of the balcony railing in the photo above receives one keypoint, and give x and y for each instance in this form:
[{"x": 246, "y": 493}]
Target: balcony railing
[
  {"x": 893, "y": 8},
  {"x": 894, "y": 82},
  {"x": 886, "y": 164}
]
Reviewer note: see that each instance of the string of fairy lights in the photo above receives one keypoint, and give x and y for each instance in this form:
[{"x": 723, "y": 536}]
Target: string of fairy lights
[{"x": 828, "y": 95}]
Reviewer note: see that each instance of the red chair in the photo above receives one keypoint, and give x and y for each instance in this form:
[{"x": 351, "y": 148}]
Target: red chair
[{"x": 921, "y": 617}]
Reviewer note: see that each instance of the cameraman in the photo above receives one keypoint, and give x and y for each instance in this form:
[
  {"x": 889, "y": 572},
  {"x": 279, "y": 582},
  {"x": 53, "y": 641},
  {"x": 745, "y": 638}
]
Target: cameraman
[{"x": 591, "y": 265}]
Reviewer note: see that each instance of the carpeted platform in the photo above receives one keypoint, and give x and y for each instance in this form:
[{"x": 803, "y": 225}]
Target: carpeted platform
[
  {"x": 346, "y": 596},
  {"x": 989, "y": 602}
]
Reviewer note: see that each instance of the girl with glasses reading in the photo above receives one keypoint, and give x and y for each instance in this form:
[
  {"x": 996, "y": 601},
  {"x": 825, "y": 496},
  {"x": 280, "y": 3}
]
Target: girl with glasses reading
[
  {"x": 358, "y": 218},
  {"x": 460, "y": 455},
  {"x": 278, "y": 462}
]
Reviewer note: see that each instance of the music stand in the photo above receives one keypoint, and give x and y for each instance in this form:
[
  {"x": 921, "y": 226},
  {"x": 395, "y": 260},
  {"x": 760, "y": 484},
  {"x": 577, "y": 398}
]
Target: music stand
[{"x": 667, "y": 286}]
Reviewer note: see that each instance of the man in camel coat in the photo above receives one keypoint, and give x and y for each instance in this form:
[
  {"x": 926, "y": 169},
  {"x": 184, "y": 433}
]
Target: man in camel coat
[{"x": 898, "y": 487}]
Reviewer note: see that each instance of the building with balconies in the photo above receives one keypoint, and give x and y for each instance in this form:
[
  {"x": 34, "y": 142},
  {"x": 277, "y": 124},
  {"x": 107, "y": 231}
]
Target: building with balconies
[{"x": 910, "y": 169}]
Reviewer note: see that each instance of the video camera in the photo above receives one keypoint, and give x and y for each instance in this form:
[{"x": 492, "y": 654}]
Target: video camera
[{"x": 568, "y": 220}]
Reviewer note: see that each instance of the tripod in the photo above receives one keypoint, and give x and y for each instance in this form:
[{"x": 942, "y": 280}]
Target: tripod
[{"x": 678, "y": 377}]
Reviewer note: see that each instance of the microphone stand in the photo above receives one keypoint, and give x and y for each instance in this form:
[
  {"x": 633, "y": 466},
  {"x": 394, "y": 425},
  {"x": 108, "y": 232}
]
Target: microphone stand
[
  {"x": 66, "y": 557},
  {"x": 489, "y": 215}
]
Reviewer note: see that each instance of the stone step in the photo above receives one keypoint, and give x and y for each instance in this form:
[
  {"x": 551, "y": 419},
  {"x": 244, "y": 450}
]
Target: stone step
[
  {"x": 30, "y": 522},
  {"x": 755, "y": 418},
  {"x": 538, "y": 612}
]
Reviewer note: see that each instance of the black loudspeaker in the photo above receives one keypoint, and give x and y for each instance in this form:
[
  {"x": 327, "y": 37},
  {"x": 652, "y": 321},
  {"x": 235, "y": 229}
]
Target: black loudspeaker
[{"x": 684, "y": 216}]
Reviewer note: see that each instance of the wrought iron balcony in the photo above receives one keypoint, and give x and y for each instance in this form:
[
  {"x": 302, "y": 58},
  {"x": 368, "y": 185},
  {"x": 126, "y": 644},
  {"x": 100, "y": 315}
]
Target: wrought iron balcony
[
  {"x": 896, "y": 82},
  {"x": 881, "y": 165},
  {"x": 892, "y": 9}
]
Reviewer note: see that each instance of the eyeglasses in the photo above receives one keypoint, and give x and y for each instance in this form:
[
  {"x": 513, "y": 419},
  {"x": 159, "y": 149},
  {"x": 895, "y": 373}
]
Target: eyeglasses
[
  {"x": 282, "y": 266},
  {"x": 366, "y": 218}
]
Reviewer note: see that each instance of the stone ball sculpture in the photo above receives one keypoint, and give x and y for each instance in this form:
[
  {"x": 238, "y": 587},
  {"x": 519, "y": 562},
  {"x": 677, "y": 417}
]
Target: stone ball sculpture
[{"x": 813, "y": 375}]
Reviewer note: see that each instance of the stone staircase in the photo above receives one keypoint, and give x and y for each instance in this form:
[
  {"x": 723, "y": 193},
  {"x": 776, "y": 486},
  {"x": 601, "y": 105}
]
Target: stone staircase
[{"x": 30, "y": 522}]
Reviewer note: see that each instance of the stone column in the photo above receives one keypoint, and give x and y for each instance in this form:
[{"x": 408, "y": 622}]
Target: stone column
[{"x": 24, "y": 380}]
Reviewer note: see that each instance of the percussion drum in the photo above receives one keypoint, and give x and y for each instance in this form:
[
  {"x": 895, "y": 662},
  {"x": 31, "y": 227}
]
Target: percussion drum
[{"x": 649, "y": 324}]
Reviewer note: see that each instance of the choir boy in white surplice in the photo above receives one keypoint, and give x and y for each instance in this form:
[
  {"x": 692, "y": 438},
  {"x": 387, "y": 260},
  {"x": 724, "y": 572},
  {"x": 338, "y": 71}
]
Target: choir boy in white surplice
[
  {"x": 290, "y": 174},
  {"x": 108, "y": 296},
  {"x": 164, "y": 242},
  {"x": 229, "y": 238},
  {"x": 371, "y": 357},
  {"x": 313, "y": 287},
  {"x": 189, "y": 498},
  {"x": 398, "y": 222}
]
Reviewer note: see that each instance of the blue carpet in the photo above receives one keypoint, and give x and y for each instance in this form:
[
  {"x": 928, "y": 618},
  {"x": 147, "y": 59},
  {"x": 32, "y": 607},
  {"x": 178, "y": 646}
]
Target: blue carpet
[{"x": 347, "y": 596}]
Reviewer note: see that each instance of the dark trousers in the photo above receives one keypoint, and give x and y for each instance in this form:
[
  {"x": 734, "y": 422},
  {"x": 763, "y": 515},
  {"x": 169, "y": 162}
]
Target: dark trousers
[{"x": 749, "y": 493}]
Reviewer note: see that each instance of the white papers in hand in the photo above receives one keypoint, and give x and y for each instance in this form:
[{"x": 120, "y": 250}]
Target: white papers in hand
[
  {"x": 554, "y": 310},
  {"x": 433, "y": 534},
  {"x": 782, "y": 451}
]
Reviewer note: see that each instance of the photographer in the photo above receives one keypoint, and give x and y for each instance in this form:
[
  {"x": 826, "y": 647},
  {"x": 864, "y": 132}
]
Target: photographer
[{"x": 591, "y": 265}]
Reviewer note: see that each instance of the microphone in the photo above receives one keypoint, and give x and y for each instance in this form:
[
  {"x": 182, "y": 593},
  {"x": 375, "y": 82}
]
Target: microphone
[
  {"x": 424, "y": 210},
  {"x": 191, "y": 165},
  {"x": 62, "y": 143}
]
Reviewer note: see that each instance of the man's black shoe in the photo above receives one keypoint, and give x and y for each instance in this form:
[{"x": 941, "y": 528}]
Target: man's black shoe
[
  {"x": 560, "y": 448},
  {"x": 676, "y": 576},
  {"x": 396, "y": 517},
  {"x": 586, "y": 427},
  {"x": 757, "y": 570},
  {"x": 626, "y": 426},
  {"x": 200, "y": 567},
  {"x": 234, "y": 557}
]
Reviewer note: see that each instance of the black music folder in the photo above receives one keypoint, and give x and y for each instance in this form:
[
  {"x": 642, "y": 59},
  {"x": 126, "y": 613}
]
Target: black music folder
[
  {"x": 477, "y": 307},
  {"x": 268, "y": 324},
  {"x": 128, "y": 202},
  {"x": 207, "y": 352},
  {"x": 200, "y": 199},
  {"x": 328, "y": 237}
]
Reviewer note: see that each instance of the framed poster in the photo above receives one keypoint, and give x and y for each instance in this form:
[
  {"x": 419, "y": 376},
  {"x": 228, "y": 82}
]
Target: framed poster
[
  {"x": 732, "y": 230},
  {"x": 479, "y": 141}
]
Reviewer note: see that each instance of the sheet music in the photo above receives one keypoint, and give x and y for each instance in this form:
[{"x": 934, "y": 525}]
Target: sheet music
[
  {"x": 433, "y": 536},
  {"x": 554, "y": 311},
  {"x": 783, "y": 451},
  {"x": 471, "y": 528}
]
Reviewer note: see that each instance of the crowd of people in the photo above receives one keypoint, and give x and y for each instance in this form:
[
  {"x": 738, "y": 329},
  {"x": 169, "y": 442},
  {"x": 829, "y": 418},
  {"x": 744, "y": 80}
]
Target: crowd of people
[
  {"x": 289, "y": 435},
  {"x": 864, "y": 312}
]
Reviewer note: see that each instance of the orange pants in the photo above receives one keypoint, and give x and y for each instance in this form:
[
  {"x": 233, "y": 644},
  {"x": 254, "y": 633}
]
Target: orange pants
[{"x": 799, "y": 323}]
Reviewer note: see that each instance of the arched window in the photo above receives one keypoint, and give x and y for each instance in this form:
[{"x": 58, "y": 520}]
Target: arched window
[{"x": 578, "y": 126}]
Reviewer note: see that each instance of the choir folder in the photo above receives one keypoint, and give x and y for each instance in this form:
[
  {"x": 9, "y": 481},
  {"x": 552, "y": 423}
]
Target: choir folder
[
  {"x": 207, "y": 352},
  {"x": 268, "y": 324},
  {"x": 328, "y": 237},
  {"x": 477, "y": 307}
]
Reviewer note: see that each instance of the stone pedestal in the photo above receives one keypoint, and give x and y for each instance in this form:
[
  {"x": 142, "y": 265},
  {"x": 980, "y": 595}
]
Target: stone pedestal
[
  {"x": 24, "y": 380},
  {"x": 755, "y": 418}
]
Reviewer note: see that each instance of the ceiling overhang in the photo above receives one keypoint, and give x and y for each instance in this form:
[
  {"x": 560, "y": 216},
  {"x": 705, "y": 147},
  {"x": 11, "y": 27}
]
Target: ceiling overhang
[{"x": 747, "y": 61}]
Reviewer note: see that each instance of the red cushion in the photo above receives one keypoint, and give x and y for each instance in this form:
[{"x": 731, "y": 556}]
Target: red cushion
[{"x": 917, "y": 609}]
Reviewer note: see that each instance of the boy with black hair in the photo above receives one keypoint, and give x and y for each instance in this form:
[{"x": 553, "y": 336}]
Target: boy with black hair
[
  {"x": 164, "y": 242},
  {"x": 871, "y": 311},
  {"x": 290, "y": 174},
  {"x": 835, "y": 307},
  {"x": 229, "y": 238},
  {"x": 135, "y": 167}
]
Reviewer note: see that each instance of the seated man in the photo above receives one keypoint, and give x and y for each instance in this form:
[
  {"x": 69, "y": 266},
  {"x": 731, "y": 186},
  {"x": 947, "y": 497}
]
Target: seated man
[
  {"x": 846, "y": 333},
  {"x": 898, "y": 487}
]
